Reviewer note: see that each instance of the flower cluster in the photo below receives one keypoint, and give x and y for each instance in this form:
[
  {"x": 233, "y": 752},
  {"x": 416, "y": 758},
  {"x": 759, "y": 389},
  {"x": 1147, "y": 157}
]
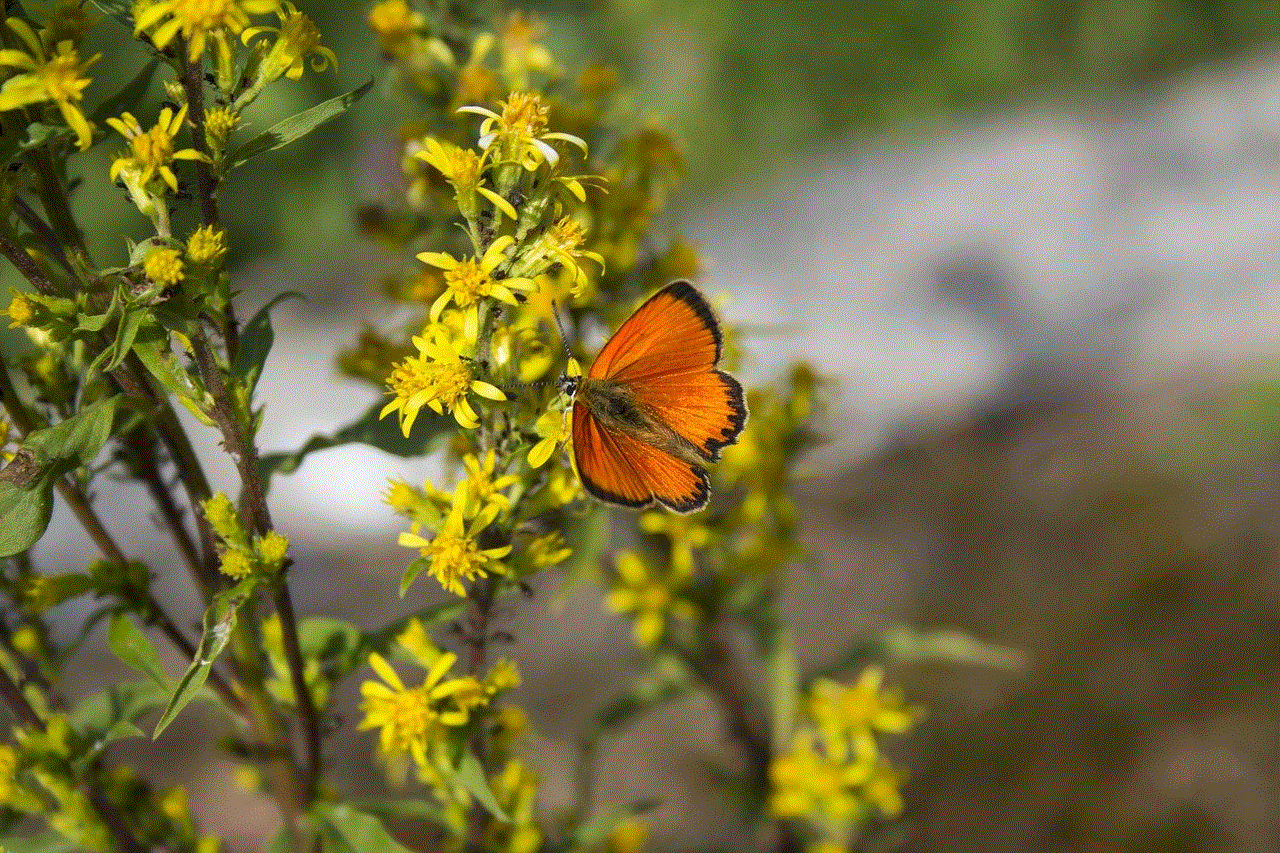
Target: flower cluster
[{"x": 834, "y": 776}]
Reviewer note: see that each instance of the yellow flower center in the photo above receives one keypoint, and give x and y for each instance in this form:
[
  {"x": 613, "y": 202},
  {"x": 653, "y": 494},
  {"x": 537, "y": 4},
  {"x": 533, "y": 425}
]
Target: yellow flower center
[
  {"x": 567, "y": 234},
  {"x": 400, "y": 495},
  {"x": 454, "y": 558},
  {"x": 450, "y": 383},
  {"x": 406, "y": 717},
  {"x": 153, "y": 148},
  {"x": 164, "y": 266},
  {"x": 463, "y": 167},
  {"x": 206, "y": 15},
  {"x": 468, "y": 281},
  {"x": 19, "y": 310},
  {"x": 654, "y": 598},
  {"x": 524, "y": 115},
  {"x": 219, "y": 123},
  {"x": 61, "y": 79},
  {"x": 299, "y": 34},
  {"x": 205, "y": 245},
  {"x": 236, "y": 564}
]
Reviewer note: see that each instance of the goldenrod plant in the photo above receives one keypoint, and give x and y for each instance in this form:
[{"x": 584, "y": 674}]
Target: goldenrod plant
[{"x": 529, "y": 195}]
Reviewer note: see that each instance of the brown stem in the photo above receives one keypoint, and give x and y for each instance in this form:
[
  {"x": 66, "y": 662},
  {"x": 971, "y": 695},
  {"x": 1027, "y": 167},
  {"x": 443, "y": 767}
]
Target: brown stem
[
  {"x": 22, "y": 262},
  {"x": 238, "y": 439},
  {"x": 45, "y": 234},
  {"x": 476, "y": 638}
]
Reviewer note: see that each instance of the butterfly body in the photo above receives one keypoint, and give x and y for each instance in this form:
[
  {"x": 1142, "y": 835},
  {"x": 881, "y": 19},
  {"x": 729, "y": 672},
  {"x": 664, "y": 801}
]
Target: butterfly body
[{"x": 653, "y": 410}]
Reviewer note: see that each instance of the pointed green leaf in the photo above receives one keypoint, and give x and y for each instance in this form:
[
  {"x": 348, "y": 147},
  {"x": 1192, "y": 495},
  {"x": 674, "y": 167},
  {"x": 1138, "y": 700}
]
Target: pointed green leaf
[
  {"x": 132, "y": 646},
  {"x": 298, "y": 126},
  {"x": 401, "y": 809},
  {"x": 219, "y": 621},
  {"x": 126, "y": 331},
  {"x": 121, "y": 10},
  {"x": 910, "y": 645},
  {"x": 47, "y": 842},
  {"x": 358, "y": 831},
  {"x": 471, "y": 775},
  {"x": 256, "y": 339}
]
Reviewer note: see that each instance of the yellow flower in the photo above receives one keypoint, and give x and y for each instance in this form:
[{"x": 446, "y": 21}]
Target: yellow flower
[
  {"x": 884, "y": 789},
  {"x": 222, "y": 517},
  {"x": 8, "y": 773},
  {"x": 20, "y": 310},
  {"x": 206, "y": 245},
  {"x": 273, "y": 548},
  {"x": 468, "y": 281},
  {"x": 453, "y": 555},
  {"x": 197, "y": 20},
  {"x": 236, "y": 564},
  {"x": 396, "y": 25},
  {"x": 400, "y": 496},
  {"x": 553, "y": 426},
  {"x": 805, "y": 782},
  {"x": 409, "y": 718},
  {"x": 502, "y": 676},
  {"x": 684, "y": 533},
  {"x": 516, "y": 789},
  {"x": 549, "y": 549},
  {"x": 164, "y": 266},
  {"x": 559, "y": 244},
  {"x": 58, "y": 78},
  {"x": 520, "y": 131},
  {"x": 629, "y": 836},
  {"x": 296, "y": 37},
  {"x": 437, "y": 377},
  {"x": 838, "y": 708},
  {"x": 648, "y": 596},
  {"x": 219, "y": 122},
  {"x": 521, "y": 52},
  {"x": 151, "y": 152},
  {"x": 483, "y": 489},
  {"x": 462, "y": 167}
]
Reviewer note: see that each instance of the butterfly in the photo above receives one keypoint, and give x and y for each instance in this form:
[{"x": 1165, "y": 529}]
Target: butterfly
[{"x": 653, "y": 410}]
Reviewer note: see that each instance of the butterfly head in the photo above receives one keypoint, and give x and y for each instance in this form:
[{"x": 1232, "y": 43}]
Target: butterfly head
[{"x": 571, "y": 378}]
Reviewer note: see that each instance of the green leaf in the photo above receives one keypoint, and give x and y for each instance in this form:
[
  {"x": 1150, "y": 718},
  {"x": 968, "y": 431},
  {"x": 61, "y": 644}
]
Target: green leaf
[
  {"x": 133, "y": 647},
  {"x": 471, "y": 775},
  {"x": 401, "y": 809},
  {"x": 330, "y": 641},
  {"x": 126, "y": 331},
  {"x": 78, "y": 437},
  {"x": 279, "y": 843},
  {"x": 596, "y": 830},
  {"x": 152, "y": 347},
  {"x": 357, "y": 831},
  {"x": 113, "y": 714},
  {"x": 296, "y": 127},
  {"x": 24, "y": 515},
  {"x": 219, "y": 621},
  {"x": 255, "y": 343},
  {"x": 910, "y": 645},
  {"x": 47, "y": 842},
  {"x": 136, "y": 89},
  {"x": 383, "y": 433}
]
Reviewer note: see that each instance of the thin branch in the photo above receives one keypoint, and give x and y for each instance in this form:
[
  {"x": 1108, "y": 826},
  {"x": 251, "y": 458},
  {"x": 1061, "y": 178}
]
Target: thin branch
[{"x": 23, "y": 263}]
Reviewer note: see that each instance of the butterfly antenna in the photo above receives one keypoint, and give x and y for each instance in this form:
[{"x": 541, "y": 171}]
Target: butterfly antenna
[{"x": 564, "y": 339}]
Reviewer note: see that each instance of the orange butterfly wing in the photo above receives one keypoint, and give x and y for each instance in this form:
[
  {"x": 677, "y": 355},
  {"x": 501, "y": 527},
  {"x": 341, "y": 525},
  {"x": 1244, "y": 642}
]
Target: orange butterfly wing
[
  {"x": 666, "y": 353},
  {"x": 617, "y": 468}
]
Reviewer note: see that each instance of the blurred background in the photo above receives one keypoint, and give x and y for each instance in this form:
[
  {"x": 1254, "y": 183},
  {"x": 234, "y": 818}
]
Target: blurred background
[{"x": 1036, "y": 245}]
